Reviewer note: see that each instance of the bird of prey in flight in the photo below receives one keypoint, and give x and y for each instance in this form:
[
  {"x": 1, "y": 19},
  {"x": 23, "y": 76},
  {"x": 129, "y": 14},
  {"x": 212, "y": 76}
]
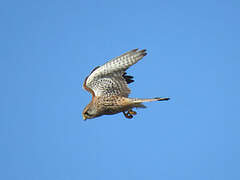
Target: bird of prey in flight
[{"x": 108, "y": 85}]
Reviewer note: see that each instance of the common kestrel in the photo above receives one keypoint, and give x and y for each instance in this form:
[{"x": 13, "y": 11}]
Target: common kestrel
[{"x": 109, "y": 89}]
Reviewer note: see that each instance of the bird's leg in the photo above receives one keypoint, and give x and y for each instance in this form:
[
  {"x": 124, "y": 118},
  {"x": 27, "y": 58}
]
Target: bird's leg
[
  {"x": 130, "y": 111},
  {"x": 128, "y": 115}
]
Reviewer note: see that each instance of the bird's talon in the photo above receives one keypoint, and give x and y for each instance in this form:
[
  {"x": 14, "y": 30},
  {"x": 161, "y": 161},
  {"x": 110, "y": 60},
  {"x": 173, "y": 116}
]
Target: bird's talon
[
  {"x": 127, "y": 115},
  {"x": 130, "y": 116},
  {"x": 132, "y": 112}
]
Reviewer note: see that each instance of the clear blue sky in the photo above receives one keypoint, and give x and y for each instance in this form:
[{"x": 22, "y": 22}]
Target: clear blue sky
[{"x": 49, "y": 47}]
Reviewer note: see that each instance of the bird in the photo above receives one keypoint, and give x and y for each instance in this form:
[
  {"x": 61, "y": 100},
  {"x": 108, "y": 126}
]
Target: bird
[{"x": 108, "y": 85}]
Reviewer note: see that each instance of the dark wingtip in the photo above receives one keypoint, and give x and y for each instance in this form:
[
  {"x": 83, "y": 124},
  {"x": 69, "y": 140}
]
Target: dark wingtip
[
  {"x": 129, "y": 79},
  {"x": 143, "y": 51}
]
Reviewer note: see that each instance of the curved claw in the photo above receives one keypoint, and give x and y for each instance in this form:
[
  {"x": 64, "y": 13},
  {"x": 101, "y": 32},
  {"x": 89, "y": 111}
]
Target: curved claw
[
  {"x": 127, "y": 115},
  {"x": 132, "y": 112}
]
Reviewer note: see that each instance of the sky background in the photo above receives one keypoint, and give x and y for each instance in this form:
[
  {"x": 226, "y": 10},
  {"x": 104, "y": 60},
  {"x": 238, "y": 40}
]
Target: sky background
[{"x": 49, "y": 47}]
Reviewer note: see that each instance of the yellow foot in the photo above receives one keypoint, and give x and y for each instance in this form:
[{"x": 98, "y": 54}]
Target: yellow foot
[
  {"x": 132, "y": 112},
  {"x": 127, "y": 115}
]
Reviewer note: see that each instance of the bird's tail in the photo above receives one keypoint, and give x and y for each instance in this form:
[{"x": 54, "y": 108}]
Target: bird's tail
[{"x": 138, "y": 102}]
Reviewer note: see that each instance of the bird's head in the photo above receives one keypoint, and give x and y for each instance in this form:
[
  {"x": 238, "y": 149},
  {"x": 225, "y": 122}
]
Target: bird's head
[{"x": 89, "y": 112}]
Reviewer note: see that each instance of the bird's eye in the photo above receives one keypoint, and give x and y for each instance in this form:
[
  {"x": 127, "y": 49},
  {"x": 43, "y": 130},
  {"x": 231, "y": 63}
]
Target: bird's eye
[{"x": 87, "y": 113}]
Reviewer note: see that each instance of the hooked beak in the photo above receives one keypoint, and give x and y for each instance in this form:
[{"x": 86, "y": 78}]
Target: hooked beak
[{"x": 84, "y": 118}]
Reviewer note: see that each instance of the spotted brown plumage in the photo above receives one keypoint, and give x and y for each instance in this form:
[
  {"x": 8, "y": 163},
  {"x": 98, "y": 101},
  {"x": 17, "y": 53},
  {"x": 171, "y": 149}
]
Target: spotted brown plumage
[{"x": 108, "y": 85}]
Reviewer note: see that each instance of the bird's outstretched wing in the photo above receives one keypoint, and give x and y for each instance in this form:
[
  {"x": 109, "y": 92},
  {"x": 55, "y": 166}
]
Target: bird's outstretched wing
[{"x": 110, "y": 79}]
